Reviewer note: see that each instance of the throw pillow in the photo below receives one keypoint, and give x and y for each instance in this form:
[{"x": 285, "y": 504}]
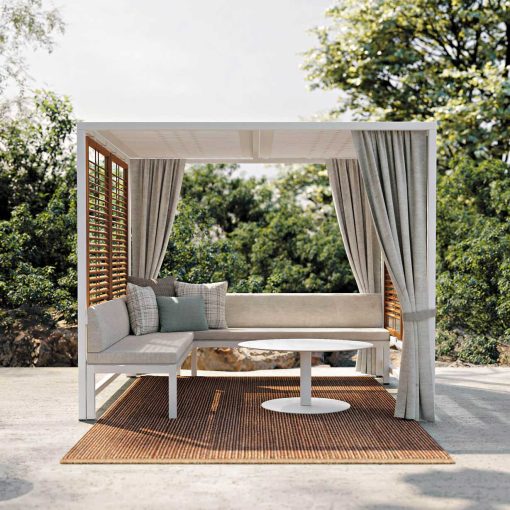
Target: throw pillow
[
  {"x": 181, "y": 313},
  {"x": 160, "y": 286},
  {"x": 214, "y": 300},
  {"x": 143, "y": 309}
]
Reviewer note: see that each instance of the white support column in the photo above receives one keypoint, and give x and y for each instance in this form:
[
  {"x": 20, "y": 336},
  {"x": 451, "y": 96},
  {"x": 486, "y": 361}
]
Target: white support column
[
  {"x": 431, "y": 235},
  {"x": 172, "y": 392},
  {"x": 81, "y": 166},
  {"x": 306, "y": 378}
]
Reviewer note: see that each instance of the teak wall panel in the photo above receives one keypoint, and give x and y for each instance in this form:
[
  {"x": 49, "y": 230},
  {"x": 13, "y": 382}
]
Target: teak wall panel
[
  {"x": 107, "y": 224},
  {"x": 392, "y": 311}
]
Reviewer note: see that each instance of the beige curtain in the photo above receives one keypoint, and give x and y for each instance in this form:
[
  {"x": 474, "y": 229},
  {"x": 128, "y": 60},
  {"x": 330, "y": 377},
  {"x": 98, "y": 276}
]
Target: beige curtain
[
  {"x": 359, "y": 237},
  {"x": 394, "y": 169},
  {"x": 155, "y": 187}
]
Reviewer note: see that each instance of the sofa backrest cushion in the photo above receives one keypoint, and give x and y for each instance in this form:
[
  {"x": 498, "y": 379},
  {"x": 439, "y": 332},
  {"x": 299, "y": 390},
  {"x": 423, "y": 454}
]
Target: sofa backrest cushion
[
  {"x": 160, "y": 286},
  {"x": 107, "y": 324},
  {"x": 304, "y": 310}
]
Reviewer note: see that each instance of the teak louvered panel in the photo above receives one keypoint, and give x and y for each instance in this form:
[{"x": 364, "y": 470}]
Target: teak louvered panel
[
  {"x": 392, "y": 311},
  {"x": 107, "y": 224},
  {"x": 119, "y": 227}
]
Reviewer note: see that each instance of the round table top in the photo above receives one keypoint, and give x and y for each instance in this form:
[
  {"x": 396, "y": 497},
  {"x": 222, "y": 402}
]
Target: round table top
[{"x": 305, "y": 345}]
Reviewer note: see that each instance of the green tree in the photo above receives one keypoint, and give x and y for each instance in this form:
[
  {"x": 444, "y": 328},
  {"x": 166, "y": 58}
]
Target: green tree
[
  {"x": 447, "y": 61},
  {"x": 473, "y": 250},
  {"x": 277, "y": 236},
  {"x": 401, "y": 60},
  {"x": 38, "y": 207},
  {"x": 36, "y": 150}
]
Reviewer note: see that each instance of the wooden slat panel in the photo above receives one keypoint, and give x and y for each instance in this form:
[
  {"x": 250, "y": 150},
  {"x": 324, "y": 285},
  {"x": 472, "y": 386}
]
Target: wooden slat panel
[
  {"x": 107, "y": 224},
  {"x": 392, "y": 310}
]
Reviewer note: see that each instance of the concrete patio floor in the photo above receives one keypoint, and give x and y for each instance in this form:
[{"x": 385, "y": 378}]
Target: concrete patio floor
[{"x": 38, "y": 424}]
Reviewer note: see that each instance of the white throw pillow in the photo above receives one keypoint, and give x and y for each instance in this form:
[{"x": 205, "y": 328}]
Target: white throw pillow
[
  {"x": 143, "y": 309},
  {"x": 214, "y": 295}
]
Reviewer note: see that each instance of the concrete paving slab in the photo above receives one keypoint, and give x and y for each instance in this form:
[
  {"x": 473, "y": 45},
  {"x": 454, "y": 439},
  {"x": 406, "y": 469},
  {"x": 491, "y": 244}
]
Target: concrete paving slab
[{"x": 38, "y": 424}]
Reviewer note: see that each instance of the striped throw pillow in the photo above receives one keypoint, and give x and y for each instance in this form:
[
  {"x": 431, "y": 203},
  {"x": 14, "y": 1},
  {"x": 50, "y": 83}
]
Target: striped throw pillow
[
  {"x": 214, "y": 295},
  {"x": 143, "y": 309}
]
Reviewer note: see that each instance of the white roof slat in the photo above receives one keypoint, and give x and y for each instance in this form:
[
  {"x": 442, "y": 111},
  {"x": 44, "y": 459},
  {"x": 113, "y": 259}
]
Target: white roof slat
[{"x": 243, "y": 142}]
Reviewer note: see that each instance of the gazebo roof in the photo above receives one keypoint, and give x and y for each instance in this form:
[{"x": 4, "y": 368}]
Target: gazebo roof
[{"x": 242, "y": 142}]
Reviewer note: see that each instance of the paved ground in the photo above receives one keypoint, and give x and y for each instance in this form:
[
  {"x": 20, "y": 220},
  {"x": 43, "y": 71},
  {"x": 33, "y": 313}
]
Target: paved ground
[{"x": 38, "y": 410}]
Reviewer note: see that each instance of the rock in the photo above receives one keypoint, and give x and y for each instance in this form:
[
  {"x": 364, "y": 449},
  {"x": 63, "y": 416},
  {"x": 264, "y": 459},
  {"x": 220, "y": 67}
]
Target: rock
[
  {"x": 504, "y": 353},
  {"x": 242, "y": 359},
  {"x": 28, "y": 337},
  {"x": 395, "y": 355},
  {"x": 340, "y": 359},
  {"x": 59, "y": 348}
]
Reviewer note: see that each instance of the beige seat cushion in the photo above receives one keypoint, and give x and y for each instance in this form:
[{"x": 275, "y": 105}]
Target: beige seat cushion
[
  {"x": 151, "y": 349},
  {"x": 241, "y": 334}
]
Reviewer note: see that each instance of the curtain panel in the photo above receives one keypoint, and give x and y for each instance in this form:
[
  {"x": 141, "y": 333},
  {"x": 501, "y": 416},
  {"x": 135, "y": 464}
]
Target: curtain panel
[
  {"x": 359, "y": 237},
  {"x": 155, "y": 189},
  {"x": 395, "y": 172}
]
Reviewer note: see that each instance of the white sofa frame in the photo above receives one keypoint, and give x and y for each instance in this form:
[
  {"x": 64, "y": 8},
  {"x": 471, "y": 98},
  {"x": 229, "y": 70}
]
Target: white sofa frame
[
  {"x": 259, "y": 149},
  {"x": 382, "y": 357}
]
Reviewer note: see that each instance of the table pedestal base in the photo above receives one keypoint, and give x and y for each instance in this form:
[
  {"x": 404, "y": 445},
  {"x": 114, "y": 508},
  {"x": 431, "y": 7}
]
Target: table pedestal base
[{"x": 318, "y": 405}]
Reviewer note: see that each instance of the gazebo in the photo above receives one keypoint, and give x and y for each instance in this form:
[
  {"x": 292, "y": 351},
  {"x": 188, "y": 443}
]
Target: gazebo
[{"x": 383, "y": 181}]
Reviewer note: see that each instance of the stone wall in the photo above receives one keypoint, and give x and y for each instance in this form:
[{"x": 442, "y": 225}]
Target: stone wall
[{"x": 30, "y": 337}]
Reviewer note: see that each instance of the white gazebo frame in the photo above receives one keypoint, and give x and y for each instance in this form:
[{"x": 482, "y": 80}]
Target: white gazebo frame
[{"x": 96, "y": 130}]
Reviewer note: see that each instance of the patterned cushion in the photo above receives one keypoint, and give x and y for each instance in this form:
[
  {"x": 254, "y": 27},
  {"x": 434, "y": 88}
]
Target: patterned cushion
[
  {"x": 161, "y": 286},
  {"x": 143, "y": 309},
  {"x": 214, "y": 299}
]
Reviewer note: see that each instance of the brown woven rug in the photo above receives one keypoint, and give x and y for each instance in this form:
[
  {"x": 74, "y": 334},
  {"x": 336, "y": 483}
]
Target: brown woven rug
[{"x": 220, "y": 421}]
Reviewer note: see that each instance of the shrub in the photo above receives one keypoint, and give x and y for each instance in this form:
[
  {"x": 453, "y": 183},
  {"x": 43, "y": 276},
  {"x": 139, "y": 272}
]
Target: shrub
[
  {"x": 478, "y": 349},
  {"x": 473, "y": 254},
  {"x": 446, "y": 342}
]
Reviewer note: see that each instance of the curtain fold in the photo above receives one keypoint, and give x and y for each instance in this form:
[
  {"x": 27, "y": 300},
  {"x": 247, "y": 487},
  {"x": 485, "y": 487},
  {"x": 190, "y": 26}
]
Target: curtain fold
[
  {"x": 155, "y": 188},
  {"x": 394, "y": 169},
  {"x": 358, "y": 234}
]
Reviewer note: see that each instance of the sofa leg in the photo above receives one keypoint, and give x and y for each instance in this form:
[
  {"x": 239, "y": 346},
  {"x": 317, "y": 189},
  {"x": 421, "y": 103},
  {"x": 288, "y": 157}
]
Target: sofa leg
[
  {"x": 172, "y": 392},
  {"x": 382, "y": 361},
  {"x": 379, "y": 359},
  {"x": 91, "y": 392},
  {"x": 386, "y": 363},
  {"x": 194, "y": 362}
]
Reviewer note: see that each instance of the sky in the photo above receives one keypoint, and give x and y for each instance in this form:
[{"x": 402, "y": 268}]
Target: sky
[{"x": 187, "y": 60}]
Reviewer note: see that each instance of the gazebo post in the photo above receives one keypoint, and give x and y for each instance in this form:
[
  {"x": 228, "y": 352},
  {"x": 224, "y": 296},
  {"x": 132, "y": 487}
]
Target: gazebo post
[
  {"x": 81, "y": 167},
  {"x": 431, "y": 234}
]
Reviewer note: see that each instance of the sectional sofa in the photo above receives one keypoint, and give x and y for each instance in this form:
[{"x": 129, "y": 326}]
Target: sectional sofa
[{"x": 111, "y": 348}]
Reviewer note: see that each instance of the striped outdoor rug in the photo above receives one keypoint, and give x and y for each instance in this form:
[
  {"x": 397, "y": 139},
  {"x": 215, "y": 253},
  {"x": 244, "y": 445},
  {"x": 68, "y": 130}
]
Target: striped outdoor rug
[{"x": 220, "y": 421}]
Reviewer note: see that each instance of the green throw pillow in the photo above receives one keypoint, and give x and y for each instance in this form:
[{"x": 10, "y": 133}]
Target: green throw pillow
[{"x": 181, "y": 313}]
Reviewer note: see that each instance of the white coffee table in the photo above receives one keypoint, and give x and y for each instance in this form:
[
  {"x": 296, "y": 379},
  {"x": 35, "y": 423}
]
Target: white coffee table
[{"x": 305, "y": 404}]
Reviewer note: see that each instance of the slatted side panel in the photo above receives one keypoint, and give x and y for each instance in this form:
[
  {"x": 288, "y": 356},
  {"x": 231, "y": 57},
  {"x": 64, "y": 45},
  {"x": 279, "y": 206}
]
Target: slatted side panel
[
  {"x": 98, "y": 225},
  {"x": 119, "y": 225},
  {"x": 107, "y": 224},
  {"x": 392, "y": 311}
]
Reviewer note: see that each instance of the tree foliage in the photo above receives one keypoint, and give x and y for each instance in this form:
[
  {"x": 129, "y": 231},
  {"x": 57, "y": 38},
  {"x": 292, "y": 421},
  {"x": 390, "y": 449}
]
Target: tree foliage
[
  {"x": 448, "y": 61},
  {"x": 36, "y": 149},
  {"x": 443, "y": 60},
  {"x": 473, "y": 249},
  {"x": 38, "y": 207},
  {"x": 277, "y": 236},
  {"x": 24, "y": 23}
]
